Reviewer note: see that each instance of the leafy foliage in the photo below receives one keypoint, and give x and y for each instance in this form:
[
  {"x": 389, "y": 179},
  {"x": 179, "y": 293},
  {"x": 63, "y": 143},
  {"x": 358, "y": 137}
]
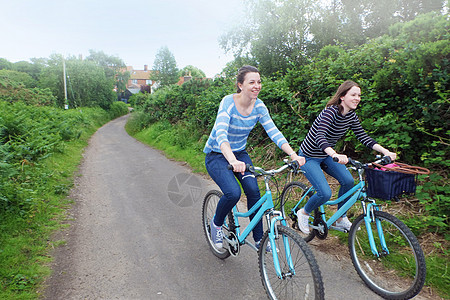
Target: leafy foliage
[
  {"x": 29, "y": 135},
  {"x": 118, "y": 109},
  {"x": 87, "y": 83},
  {"x": 281, "y": 34},
  {"x": 190, "y": 70},
  {"x": 165, "y": 68},
  {"x": 114, "y": 67},
  {"x": 18, "y": 77},
  {"x": 12, "y": 89},
  {"x": 40, "y": 148}
]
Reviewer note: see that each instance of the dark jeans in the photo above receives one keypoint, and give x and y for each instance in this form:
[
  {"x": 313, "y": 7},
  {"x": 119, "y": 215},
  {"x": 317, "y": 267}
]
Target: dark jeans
[
  {"x": 216, "y": 164},
  {"x": 315, "y": 175}
]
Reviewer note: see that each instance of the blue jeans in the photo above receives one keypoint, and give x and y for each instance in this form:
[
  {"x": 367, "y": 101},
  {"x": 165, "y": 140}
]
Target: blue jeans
[
  {"x": 216, "y": 164},
  {"x": 315, "y": 175}
]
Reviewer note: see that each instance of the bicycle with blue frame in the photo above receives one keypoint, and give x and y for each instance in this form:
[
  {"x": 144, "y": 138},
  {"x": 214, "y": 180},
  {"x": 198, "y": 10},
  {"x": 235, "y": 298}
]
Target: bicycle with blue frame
[
  {"x": 288, "y": 272},
  {"x": 385, "y": 253}
]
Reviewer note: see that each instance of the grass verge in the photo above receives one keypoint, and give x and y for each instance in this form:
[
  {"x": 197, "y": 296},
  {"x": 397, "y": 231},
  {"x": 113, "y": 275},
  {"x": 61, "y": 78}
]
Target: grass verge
[{"x": 25, "y": 235}]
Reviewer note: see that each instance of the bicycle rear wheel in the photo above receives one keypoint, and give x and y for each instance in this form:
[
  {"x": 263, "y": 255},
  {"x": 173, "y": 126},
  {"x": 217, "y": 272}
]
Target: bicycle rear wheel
[
  {"x": 399, "y": 274},
  {"x": 208, "y": 212},
  {"x": 304, "y": 281},
  {"x": 291, "y": 195}
]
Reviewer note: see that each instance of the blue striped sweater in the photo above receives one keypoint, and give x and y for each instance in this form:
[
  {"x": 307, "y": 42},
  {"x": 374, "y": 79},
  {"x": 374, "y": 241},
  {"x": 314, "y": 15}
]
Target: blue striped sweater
[
  {"x": 328, "y": 128},
  {"x": 234, "y": 128}
]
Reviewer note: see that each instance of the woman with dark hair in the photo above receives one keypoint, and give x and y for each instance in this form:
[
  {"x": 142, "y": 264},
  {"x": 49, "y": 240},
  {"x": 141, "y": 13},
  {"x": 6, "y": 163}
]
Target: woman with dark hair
[
  {"x": 237, "y": 115},
  {"x": 332, "y": 124}
]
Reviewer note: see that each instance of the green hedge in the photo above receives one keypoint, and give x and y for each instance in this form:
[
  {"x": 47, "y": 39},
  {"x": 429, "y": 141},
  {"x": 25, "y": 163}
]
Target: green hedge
[{"x": 30, "y": 134}]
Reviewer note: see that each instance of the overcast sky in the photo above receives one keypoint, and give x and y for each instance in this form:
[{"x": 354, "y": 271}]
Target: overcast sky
[{"x": 132, "y": 30}]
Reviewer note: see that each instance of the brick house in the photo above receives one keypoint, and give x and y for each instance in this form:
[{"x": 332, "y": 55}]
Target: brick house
[{"x": 139, "y": 79}]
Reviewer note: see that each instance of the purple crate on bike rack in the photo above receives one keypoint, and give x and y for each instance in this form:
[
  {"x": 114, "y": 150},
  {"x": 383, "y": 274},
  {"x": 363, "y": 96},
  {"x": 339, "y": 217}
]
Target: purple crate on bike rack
[{"x": 389, "y": 184}]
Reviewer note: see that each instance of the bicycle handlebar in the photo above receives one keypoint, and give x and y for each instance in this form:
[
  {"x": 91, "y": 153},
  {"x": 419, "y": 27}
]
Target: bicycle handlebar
[
  {"x": 359, "y": 165},
  {"x": 260, "y": 171},
  {"x": 296, "y": 168}
]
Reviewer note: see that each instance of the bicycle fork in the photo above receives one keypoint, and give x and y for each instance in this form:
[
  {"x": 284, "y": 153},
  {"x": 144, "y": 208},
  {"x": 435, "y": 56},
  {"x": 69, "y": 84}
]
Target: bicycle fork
[
  {"x": 273, "y": 233},
  {"x": 369, "y": 218}
]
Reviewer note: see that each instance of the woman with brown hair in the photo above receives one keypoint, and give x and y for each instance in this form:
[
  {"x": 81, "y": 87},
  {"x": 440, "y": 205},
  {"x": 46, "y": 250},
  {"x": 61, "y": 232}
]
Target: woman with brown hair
[
  {"x": 237, "y": 115},
  {"x": 317, "y": 148}
]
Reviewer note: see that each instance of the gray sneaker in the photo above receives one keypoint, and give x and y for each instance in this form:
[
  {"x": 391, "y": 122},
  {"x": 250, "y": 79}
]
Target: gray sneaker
[
  {"x": 216, "y": 235},
  {"x": 268, "y": 247}
]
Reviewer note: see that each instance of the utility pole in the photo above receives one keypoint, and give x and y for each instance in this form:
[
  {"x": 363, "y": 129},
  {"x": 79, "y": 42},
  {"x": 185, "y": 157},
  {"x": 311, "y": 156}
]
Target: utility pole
[{"x": 66, "y": 104}]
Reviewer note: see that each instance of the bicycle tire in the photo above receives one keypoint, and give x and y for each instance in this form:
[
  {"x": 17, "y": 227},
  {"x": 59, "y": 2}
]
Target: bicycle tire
[
  {"x": 397, "y": 275},
  {"x": 290, "y": 196},
  {"x": 306, "y": 283},
  {"x": 208, "y": 211}
]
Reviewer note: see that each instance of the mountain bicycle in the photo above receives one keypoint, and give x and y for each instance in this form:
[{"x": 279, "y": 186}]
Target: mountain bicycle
[
  {"x": 385, "y": 253},
  {"x": 289, "y": 270}
]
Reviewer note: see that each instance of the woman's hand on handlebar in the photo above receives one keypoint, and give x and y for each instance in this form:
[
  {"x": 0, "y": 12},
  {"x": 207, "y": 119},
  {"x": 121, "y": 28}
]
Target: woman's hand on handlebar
[
  {"x": 340, "y": 158},
  {"x": 392, "y": 155},
  {"x": 299, "y": 159},
  {"x": 238, "y": 166}
]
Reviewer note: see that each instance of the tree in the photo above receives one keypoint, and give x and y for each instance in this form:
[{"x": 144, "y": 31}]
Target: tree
[
  {"x": 113, "y": 66},
  {"x": 165, "y": 68},
  {"x": 18, "y": 77},
  {"x": 281, "y": 34},
  {"x": 32, "y": 69},
  {"x": 192, "y": 71},
  {"x": 5, "y": 64},
  {"x": 231, "y": 69},
  {"x": 87, "y": 83},
  {"x": 353, "y": 22},
  {"x": 275, "y": 33}
]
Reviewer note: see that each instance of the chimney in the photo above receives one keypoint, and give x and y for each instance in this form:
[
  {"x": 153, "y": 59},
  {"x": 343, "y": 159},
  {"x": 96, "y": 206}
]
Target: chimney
[{"x": 145, "y": 67}]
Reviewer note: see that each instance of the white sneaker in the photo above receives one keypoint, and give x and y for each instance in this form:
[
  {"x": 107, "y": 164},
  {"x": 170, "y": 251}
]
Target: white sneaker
[
  {"x": 303, "y": 221},
  {"x": 344, "y": 224}
]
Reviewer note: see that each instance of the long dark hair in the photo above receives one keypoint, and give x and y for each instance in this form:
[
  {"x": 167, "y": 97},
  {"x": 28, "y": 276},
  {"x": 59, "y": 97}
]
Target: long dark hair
[
  {"x": 241, "y": 75},
  {"x": 341, "y": 92}
]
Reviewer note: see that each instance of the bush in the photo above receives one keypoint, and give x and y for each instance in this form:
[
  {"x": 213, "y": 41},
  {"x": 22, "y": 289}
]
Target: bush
[
  {"x": 15, "y": 91},
  {"x": 28, "y": 135},
  {"x": 138, "y": 121},
  {"x": 18, "y": 77},
  {"x": 118, "y": 109}
]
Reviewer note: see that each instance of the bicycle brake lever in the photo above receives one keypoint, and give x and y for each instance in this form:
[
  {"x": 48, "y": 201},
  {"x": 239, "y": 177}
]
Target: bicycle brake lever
[
  {"x": 294, "y": 166},
  {"x": 384, "y": 160},
  {"x": 387, "y": 159}
]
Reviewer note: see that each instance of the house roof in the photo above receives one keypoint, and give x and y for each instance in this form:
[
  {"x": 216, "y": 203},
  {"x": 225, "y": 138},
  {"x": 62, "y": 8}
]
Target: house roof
[
  {"x": 134, "y": 91},
  {"x": 134, "y": 86},
  {"x": 140, "y": 74}
]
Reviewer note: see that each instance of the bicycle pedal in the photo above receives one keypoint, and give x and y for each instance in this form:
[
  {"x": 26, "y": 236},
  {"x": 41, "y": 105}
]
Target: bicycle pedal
[{"x": 340, "y": 229}]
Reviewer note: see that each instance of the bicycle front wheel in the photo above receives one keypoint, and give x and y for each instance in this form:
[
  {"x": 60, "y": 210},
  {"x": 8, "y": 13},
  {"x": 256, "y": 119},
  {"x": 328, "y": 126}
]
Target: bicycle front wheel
[
  {"x": 208, "y": 212},
  {"x": 399, "y": 272},
  {"x": 300, "y": 275},
  {"x": 293, "y": 193}
]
